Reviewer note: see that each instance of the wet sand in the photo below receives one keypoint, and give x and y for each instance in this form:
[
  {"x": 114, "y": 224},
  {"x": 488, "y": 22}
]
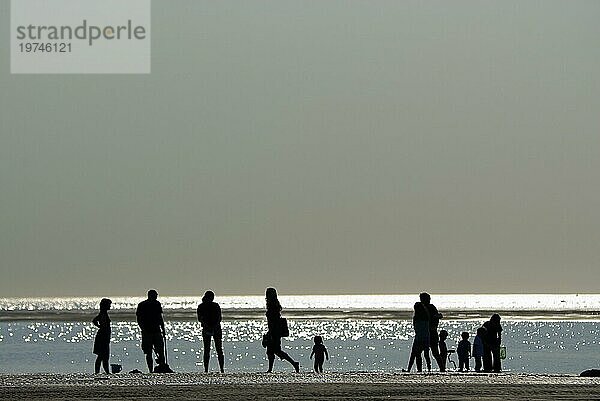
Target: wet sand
[{"x": 303, "y": 386}]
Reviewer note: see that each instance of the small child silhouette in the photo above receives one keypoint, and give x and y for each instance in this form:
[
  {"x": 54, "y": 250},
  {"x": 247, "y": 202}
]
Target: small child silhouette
[
  {"x": 464, "y": 352},
  {"x": 443, "y": 349},
  {"x": 320, "y": 353},
  {"x": 478, "y": 348}
]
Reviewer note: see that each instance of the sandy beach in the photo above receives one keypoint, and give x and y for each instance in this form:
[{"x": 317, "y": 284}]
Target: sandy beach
[{"x": 307, "y": 386}]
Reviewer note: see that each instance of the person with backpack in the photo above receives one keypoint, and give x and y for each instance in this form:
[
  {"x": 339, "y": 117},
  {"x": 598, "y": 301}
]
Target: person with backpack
[{"x": 272, "y": 340}]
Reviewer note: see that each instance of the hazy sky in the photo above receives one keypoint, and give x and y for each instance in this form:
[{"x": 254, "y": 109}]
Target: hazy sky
[{"x": 316, "y": 146}]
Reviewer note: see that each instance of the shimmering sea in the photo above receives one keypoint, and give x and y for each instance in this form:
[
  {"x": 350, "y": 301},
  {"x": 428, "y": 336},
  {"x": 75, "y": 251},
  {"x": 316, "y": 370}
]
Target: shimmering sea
[{"x": 543, "y": 333}]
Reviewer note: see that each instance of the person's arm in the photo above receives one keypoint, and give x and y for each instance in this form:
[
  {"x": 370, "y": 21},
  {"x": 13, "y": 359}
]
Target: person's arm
[
  {"x": 312, "y": 353},
  {"x": 219, "y": 314},
  {"x": 199, "y": 313},
  {"x": 326, "y": 353},
  {"x": 138, "y": 318},
  {"x": 162, "y": 322},
  {"x": 96, "y": 321}
]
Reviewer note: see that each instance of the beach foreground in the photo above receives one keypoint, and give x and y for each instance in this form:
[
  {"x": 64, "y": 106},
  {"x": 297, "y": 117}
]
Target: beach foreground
[{"x": 308, "y": 386}]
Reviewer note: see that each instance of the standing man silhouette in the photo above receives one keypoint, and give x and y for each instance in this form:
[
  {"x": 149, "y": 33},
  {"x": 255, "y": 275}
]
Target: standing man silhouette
[
  {"x": 150, "y": 319},
  {"x": 434, "y": 320},
  {"x": 209, "y": 315}
]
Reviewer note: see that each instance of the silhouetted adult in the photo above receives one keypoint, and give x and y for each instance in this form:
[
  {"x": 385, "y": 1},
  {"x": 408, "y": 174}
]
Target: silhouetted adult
[
  {"x": 209, "y": 315},
  {"x": 274, "y": 334},
  {"x": 150, "y": 319},
  {"x": 421, "y": 341},
  {"x": 491, "y": 344},
  {"x": 102, "y": 340},
  {"x": 434, "y": 320}
]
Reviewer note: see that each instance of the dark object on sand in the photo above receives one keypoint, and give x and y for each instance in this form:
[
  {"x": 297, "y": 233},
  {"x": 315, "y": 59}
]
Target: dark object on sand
[
  {"x": 135, "y": 371},
  {"x": 590, "y": 373},
  {"x": 116, "y": 368}
]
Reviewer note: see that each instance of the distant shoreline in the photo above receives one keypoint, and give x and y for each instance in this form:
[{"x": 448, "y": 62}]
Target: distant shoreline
[
  {"x": 318, "y": 307},
  {"x": 304, "y": 314}
]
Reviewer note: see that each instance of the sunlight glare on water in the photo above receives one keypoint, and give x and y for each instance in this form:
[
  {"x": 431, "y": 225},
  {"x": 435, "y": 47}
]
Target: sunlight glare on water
[{"x": 377, "y": 345}]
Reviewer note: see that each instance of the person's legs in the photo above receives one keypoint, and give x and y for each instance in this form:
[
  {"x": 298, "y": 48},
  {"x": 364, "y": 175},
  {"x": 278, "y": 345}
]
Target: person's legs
[
  {"x": 220, "y": 355},
  {"x": 487, "y": 359},
  {"x": 467, "y": 364},
  {"x": 320, "y": 366},
  {"x": 419, "y": 361},
  {"x": 206, "y": 357},
  {"x": 105, "y": 364},
  {"x": 435, "y": 350},
  {"x": 411, "y": 360},
  {"x": 273, "y": 347},
  {"x": 285, "y": 356},
  {"x": 97, "y": 364},
  {"x": 414, "y": 354},
  {"x": 271, "y": 358},
  {"x": 477, "y": 364},
  {"x": 316, "y": 366},
  {"x": 150, "y": 362},
  {"x": 276, "y": 350},
  {"x": 427, "y": 359},
  {"x": 497, "y": 365},
  {"x": 159, "y": 348},
  {"x": 147, "y": 349}
]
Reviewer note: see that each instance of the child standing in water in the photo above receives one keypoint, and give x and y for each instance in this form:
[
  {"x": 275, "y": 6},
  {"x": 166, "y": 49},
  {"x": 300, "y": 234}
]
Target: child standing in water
[
  {"x": 478, "y": 348},
  {"x": 443, "y": 349},
  {"x": 102, "y": 340},
  {"x": 320, "y": 353},
  {"x": 464, "y": 352}
]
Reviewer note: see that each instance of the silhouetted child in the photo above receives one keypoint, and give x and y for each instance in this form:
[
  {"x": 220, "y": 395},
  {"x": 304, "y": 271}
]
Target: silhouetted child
[
  {"x": 464, "y": 352},
  {"x": 102, "y": 340},
  {"x": 320, "y": 353},
  {"x": 478, "y": 348},
  {"x": 443, "y": 349}
]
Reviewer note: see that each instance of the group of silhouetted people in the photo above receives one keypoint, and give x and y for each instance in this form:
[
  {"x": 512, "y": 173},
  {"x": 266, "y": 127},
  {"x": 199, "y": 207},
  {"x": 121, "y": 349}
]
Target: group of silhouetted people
[
  {"x": 149, "y": 314},
  {"x": 485, "y": 349}
]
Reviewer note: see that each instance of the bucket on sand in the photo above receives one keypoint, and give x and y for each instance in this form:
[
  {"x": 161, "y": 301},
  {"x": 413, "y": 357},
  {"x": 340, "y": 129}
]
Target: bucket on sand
[
  {"x": 503, "y": 352},
  {"x": 115, "y": 367}
]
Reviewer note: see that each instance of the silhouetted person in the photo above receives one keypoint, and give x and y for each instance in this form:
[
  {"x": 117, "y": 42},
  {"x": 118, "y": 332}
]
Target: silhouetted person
[
  {"x": 491, "y": 344},
  {"x": 150, "y": 319},
  {"x": 434, "y": 320},
  {"x": 478, "y": 348},
  {"x": 421, "y": 341},
  {"x": 320, "y": 353},
  {"x": 443, "y": 349},
  {"x": 464, "y": 352},
  {"x": 102, "y": 340},
  {"x": 274, "y": 335},
  {"x": 209, "y": 315}
]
